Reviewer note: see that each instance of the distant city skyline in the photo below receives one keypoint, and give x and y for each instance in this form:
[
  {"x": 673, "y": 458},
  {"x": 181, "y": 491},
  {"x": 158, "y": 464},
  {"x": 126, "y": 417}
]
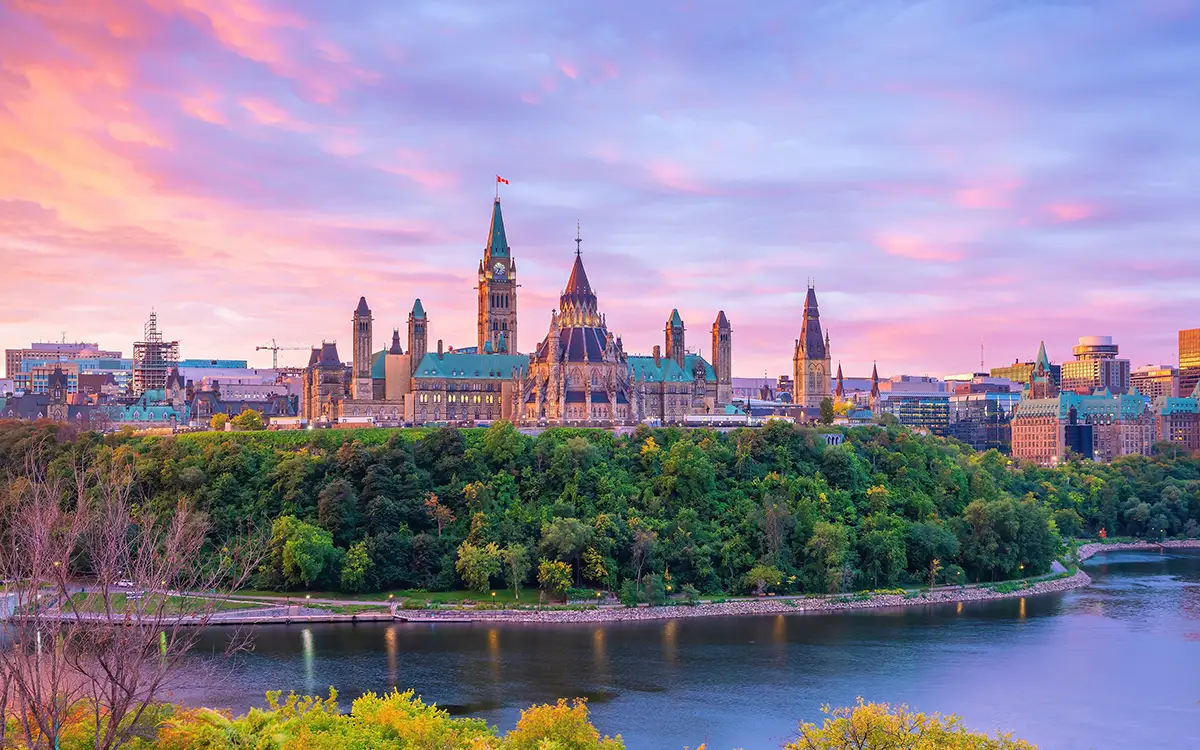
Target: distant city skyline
[{"x": 950, "y": 174}]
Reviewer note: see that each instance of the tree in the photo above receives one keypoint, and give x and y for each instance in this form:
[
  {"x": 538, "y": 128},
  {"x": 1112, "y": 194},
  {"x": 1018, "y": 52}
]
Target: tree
[
  {"x": 438, "y": 513},
  {"x": 249, "y": 419},
  {"x": 565, "y": 539},
  {"x": 554, "y": 576},
  {"x": 640, "y": 552},
  {"x": 218, "y": 421},
  {"x": 826, "y": 410},
  {"x": 879, "y": 726},
  {"x": 563, "y": 725},
  {"x": 763, "y": 577},
  {"x": 516, "y": 566},
  {"x": 94, "y": 665},
  {"x": 593, "y": 566},
  {"x": 477, "y": 564},
  {"x": 356, "y": 567},
  {"x": 298, "y": 554},
  {"x": 337, "y": 509},
  {"x": 828, "y": 550}
]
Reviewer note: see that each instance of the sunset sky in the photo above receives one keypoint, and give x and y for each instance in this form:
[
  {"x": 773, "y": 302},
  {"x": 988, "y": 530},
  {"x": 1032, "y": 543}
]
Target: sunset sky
[{"x": 949, "y": 172}]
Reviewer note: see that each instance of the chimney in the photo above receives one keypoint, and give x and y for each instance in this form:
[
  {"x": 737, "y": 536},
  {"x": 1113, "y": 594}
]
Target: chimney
[
  {"x": 657, "y": 354},
  {"x": 439, "y": 348}
]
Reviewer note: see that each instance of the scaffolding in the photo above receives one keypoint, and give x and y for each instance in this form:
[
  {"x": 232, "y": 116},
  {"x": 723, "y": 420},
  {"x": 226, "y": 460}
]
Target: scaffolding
[{"x": 153, "y": 359}]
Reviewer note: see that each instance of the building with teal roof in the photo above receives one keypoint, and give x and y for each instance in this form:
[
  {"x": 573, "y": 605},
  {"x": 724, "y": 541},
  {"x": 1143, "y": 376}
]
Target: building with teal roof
[{"x": 1121, "y": 425}]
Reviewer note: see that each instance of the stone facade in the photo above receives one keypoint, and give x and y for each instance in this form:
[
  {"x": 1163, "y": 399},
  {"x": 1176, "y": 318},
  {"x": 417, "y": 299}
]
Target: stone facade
[
  {"x": 811, "y": 358},
  {"x": 1121, "y": 425}
]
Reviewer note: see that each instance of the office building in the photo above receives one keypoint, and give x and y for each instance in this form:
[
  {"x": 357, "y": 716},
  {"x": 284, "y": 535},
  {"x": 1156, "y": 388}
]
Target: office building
[{"x": 1096, "y": 367}]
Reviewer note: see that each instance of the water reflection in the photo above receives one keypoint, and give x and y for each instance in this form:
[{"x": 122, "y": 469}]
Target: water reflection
[
  {"x": 744, "y": 682},
  {"x": 306, "y": 638},
  {"x": 389, "y": 642}
]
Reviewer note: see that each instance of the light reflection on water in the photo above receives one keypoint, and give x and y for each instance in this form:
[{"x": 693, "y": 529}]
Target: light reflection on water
[{"x": 1111, "y": 666}]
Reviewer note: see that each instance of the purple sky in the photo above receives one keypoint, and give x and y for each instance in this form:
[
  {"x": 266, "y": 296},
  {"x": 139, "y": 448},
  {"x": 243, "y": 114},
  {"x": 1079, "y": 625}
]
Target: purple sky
[{"x": 948, "y": 172}]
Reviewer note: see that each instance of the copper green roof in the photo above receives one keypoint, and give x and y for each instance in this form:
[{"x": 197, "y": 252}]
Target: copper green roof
[
  {"x": 1042, "y": 359},
  {"x": 497, "y": 246},
  {"x": 379, "y": 365},
  {"x": 666, "y": 370},
  {"x": 472, "y": 366},
  {"x": 418, "y": 311},
  {"x": 1101, "y": 404},
  {"x": 676, "y": 321}
]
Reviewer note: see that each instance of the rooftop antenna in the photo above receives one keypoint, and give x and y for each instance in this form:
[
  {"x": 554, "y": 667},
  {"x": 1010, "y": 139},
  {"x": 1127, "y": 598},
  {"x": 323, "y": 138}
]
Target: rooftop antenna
[
  {"x": 981, "y": 356},
  {"x": 578, "y": 239}
]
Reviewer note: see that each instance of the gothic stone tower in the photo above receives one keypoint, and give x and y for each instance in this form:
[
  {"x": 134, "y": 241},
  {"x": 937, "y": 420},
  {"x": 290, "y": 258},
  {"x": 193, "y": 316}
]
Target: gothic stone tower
[
  {"x": 674, "y": 336},
  {"x": 722, "y": 358},
  {"x": 497, "y": 289},
  {"x": 362, "y": 390},
  {"x": 810, "y": 362},
  {"x": 418, "y": 334}
]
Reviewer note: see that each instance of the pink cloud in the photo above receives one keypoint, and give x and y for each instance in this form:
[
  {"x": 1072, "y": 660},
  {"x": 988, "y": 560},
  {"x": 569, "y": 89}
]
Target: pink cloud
[
  {"x": 268, "y": 113},
  {"x": 987, "y": 195},
  {"x": 1072, "y": 211},
  {"x": 916, "y": 248}
]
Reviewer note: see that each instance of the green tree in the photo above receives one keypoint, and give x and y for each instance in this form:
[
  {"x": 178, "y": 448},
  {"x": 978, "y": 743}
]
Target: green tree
[
  {"x": 763, "y": 577},
  {"x": 477, "y": 564},
  {"x": 298, "y": 553},
  {"x": 554, "y": 576},
  {"x": 356, "y": 566},
  {"x": 826, "y": 410},
  {"x": 337, "y": 510},
  {"x": 249, "y": 419},
  {"x": 516, "y": 566},
  {"x": 828, "y": 552},
  {"x": 566, "y": 539}
]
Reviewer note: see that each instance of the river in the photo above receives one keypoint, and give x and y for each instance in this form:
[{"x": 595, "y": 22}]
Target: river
[{"x": 1114, "y": 665}]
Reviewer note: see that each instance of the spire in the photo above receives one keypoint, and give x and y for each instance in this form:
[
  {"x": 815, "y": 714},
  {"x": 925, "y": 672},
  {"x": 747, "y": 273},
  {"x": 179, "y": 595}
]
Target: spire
[
  {"x": 418, "y": 312},
  {"x": 840, "y": 391},
  {"x": 578, "y": 283},
  {"x": 578, "y": 240},
  {"x": 874, "y": 380},
  {"x": 497, "y": 246},
  {"x": 1042, "y": 362},
  {"x": 722, "y": 321},
  {"x": 395, "y": 347},
  {"x": 362, "y": 308},
  {"x": 676, "y": 321},
  {"x": 811, "y": 341}
]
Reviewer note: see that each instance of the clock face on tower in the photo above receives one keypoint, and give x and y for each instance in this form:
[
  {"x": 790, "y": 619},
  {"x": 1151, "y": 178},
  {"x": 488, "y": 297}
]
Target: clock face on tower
[{"x": 500, "y": 271}]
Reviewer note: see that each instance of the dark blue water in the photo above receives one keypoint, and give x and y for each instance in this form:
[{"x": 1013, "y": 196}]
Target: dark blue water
[{"x": 1115, "y": 665}]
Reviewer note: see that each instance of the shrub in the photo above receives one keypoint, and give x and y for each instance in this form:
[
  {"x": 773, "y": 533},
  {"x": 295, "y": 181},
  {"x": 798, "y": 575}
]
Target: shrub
[{"x": 879, "y": 725}]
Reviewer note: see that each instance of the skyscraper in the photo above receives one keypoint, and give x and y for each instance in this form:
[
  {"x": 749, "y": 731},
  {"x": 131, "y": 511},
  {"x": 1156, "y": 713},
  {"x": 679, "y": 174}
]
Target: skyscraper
[
  {"x": 1189, "y": 360},
  {"x": 1095, "y": 367}
]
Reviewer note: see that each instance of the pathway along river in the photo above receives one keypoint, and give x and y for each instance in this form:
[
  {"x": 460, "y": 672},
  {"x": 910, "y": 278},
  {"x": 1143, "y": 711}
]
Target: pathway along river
[{"x": 1114, "y": 665}]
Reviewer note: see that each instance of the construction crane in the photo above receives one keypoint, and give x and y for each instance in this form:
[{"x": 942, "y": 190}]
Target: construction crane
[{"x": 275, "y": 349}]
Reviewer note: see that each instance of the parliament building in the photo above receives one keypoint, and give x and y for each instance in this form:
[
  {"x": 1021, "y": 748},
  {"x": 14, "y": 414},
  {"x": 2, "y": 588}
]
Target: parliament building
[{"x": 578, "y": 374}]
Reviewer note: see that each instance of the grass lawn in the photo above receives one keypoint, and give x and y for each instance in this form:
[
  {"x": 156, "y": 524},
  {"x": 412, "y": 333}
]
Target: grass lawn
[{"x": 175, "y": 604}]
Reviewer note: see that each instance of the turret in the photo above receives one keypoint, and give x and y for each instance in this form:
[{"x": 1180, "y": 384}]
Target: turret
[
  {"x": 674, "y": 335},
  {"x": 722, "y": 358},
  {"x": 418, "y": 334},
  {"x": 361, "y": 335}
]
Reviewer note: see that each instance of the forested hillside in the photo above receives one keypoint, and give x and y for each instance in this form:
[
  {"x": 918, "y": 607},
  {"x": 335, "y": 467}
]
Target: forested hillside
[{"x": 770, "y": 508}]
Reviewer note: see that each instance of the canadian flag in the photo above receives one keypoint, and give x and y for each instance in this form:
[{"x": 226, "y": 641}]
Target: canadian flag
[{"x": 501, "y": 179}]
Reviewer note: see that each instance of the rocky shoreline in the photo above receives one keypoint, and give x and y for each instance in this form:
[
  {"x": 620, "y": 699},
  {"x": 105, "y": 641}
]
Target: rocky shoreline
[{"x": 793, "y": 605}]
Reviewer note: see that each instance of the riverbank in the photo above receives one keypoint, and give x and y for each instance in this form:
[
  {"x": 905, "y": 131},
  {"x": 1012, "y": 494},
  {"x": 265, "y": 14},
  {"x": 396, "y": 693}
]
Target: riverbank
[
  {"x": 313, "y": 612},
  {"x": 798, "y": 605}
]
